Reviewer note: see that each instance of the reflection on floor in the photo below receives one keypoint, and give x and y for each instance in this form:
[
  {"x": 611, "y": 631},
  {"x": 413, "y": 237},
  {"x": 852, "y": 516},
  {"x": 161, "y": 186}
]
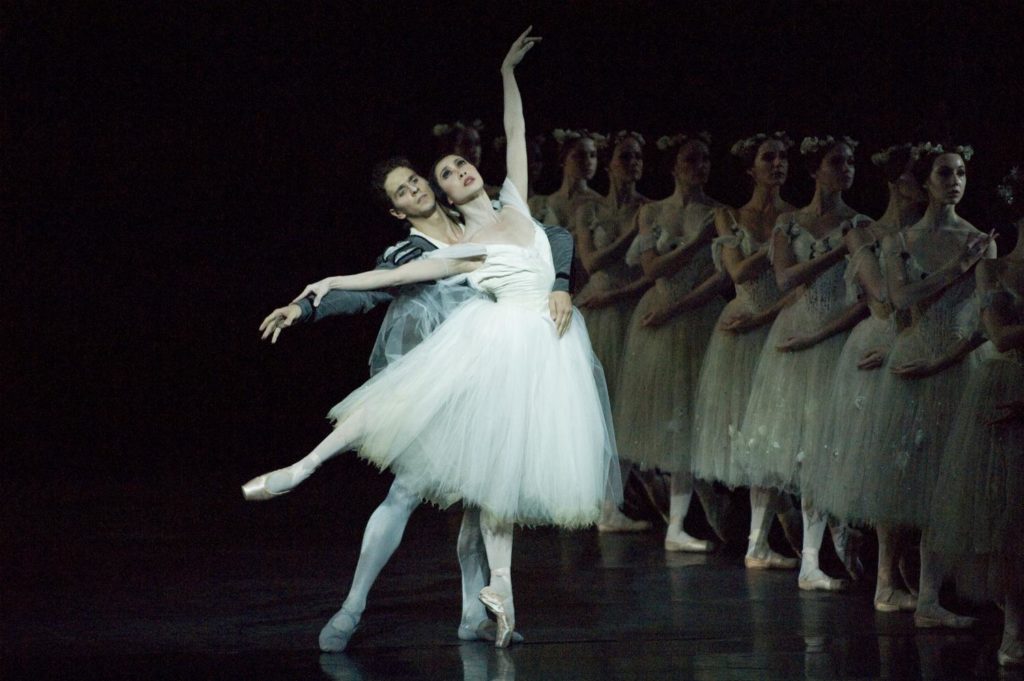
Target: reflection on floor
[{"x": 147, "y": 589}]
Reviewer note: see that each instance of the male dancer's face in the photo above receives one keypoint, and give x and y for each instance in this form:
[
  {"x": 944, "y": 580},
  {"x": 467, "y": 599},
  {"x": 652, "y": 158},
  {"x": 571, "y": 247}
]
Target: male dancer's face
[{"x": 410, "y": 194}]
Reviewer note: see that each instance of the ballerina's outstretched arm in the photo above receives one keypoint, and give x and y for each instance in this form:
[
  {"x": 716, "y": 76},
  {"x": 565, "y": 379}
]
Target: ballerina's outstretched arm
[{"x": 516, "y": 158}]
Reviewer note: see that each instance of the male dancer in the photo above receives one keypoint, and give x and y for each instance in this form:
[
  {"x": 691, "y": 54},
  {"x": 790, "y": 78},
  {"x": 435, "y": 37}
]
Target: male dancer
[{"x": 409, "y": 197}]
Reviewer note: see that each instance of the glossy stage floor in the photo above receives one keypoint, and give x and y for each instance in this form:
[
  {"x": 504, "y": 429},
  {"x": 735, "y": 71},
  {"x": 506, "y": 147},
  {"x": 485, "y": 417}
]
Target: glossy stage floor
[{"x": 131, "y": 581}]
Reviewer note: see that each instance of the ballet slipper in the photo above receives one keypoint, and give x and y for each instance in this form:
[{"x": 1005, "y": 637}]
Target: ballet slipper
[
  {"x": 681, "y": 541},
  {"x": 819, "y": 581},
  {"x": 617, "y": 521},
  {"x": 484, "y": 631},
  {"x": 501, "y": 607},
  {"x": 933, "y": 618},
  {"x": 773, "y": 561},
  {"x": 335, "y": 635},
  {"x": 895, "y": 600},
  {"x": 286, "y": 479}
]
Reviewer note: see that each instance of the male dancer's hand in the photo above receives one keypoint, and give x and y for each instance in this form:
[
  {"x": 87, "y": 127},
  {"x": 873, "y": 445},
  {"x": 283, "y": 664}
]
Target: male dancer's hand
[
  {"x": 279, "y": 319},
  {"x": 560, "y": 306}
]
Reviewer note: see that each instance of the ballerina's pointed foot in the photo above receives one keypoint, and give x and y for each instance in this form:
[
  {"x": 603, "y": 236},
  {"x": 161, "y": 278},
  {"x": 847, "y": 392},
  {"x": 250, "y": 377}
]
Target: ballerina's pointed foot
[
  {"x": 335, "y": 635},
  {"x": 819, "y": 581},
  {"x": 275, "y": 483},
  {"x": 501, "y": 607},
  {"x": 895, "y": 600},
  {"x": 684, "y": 542},
  {"x": 487, "y": 630},
  {"x": 933, "y": 618},
  {"x": 773, "y": 561}
]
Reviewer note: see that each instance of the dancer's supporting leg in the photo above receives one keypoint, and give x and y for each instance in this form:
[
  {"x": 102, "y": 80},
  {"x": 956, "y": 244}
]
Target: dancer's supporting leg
[
  {"x": 811, "y": 576},
  {"x": 929, "y": 613},
  {"x": 759, "y": 554},
  {"x": 614, "y": 520},
  {"x": 284, "y": 480},
  {"x": 846, "y": 541},
  {"x": 1011, "y": 651},
  {"x": 497, "y": 595},
  {"x": 382, "y": 536},
  {"x": 888, "y": 597},
  {"x": 680, "y": 494},
  {"x": 475, "y": 624}
]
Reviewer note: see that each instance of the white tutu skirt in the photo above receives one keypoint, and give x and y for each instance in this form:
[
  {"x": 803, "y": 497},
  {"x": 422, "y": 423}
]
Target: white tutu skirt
[
  {"x": 978, "y": 504},
  {"x": 899, "y": 475},
  {"x": 495, "y": 409},
  {"x": 607, "y": 327},
  {"x": 722, "y": 395},
  {"x": 832, "y": 474},
  {"x": 788, "y": 401},
  {"x": 658, "y": 383}
]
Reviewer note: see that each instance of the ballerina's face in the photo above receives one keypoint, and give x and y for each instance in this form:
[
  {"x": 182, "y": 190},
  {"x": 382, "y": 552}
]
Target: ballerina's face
[
  {"x": 947, "y": 180},
  {"x": 468, "y": 146},
  {"x": 410, "y": 193},
  {"x": 459, "y": 179},
  {"x": 771, "y": 164},
  {"x": 581, "y": 162},
  {"x": 693, "y": 164},
  {"x": 835, "y": 173},
  {"x": 627, "y": 162}
]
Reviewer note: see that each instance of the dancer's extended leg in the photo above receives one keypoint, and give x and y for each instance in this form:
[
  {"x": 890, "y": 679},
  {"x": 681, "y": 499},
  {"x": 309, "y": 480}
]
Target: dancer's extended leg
[
  {"x": 382, "y": 536},
  {"x": 888, "y": 597},
  {"x": 497, "y": 595},
  {"x": 929, "y": 613},
  {"x": 284, "y": 480},
  {"x": 759, "y": 554},
  {"x": 680, "y": 494},
  {"x": 811, "y": 576}
]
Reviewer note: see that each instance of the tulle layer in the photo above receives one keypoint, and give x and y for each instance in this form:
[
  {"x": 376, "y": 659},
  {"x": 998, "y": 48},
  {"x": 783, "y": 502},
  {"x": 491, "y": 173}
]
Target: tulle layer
[
  {"x": 788, "y": 400},
  {"x": 724, "y": 390},
  {"x": 495, "y": 409},
  {"x": 607, "y": 327},
  {"x": 978, "y": 503},
  {"x": 658, "y": 383},
  {"x": 832, "y": 476},
  {"x": 898, "y": 476}
]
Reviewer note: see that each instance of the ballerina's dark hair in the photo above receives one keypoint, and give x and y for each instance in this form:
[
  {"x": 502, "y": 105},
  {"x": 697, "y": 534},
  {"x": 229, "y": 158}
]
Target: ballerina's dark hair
[
  {"x": 893, "y": 161},
  {"x": 815, "y": 149}
]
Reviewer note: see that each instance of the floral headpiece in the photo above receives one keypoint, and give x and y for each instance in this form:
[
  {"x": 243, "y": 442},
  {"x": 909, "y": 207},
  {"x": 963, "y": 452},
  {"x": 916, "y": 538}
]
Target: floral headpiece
[
  {"x": 885, "y": 155},
  {"x": 1010, "y": 187},
  {"x": 923, "y": 149},
  {"x": 565, "y": 136},
  {"x": 668, "y": 141},
  {"x": 812, "y": 145},
  {"x": 743, "y": 146},
  {"x": 442, "y": 129},
  {"x": 623, "y": 134}
]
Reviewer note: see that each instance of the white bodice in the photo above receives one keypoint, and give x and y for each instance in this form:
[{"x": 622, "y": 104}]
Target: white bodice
[
  {"x": 758, "y": 293},
  {"x": 518, "y": 275}
]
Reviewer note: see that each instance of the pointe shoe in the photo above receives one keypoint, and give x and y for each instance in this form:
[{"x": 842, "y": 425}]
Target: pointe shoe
[
  {"x": 501, "y": 607},
  {"x": 895, "y": 600},
  {"x": 484, "y": 631},
  {"x": 689, "y": 544},
  {"x": 819, "y": 581},
  {"x": 256, "y": 489},
  {"x": 774, "y": 561},
  {"x": 335, "y": 635},
  {"x": 948, "y": 620}
]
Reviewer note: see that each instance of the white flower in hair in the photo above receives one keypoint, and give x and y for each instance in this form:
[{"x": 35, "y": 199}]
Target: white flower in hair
[
  {"x": 966, "y": 151},
  {"x": 442, "y": 129},
  {"x": 744, "y": 145},
  {"x": 623, "y": 134},
  {"x": 1010, "y": 186},
  {"x": 811, "y": 145}
]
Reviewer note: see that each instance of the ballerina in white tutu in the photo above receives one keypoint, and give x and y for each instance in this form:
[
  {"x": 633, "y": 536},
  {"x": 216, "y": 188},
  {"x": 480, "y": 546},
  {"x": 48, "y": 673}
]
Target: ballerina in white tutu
[
  {"x": 740, "y": 249},
  {"x": 519, "y": 425},
  {"x": 977, "y": 515}
]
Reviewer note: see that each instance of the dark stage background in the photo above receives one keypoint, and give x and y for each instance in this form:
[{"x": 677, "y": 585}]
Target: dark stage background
[{"x": 173, "y": 171}]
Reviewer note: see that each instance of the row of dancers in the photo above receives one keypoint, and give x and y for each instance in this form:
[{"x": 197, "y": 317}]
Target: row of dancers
[
  {"x": 770, "y": 390},
  {"x": 843, "y": 368}
]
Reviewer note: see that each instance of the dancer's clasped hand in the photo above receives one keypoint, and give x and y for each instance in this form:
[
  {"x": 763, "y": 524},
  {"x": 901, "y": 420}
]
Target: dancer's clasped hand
[{"x": 278, "y": 320}]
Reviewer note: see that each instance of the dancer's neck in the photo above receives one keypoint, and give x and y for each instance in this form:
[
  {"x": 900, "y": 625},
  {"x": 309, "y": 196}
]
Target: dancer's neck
[{"x": 439, "y": 226}]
